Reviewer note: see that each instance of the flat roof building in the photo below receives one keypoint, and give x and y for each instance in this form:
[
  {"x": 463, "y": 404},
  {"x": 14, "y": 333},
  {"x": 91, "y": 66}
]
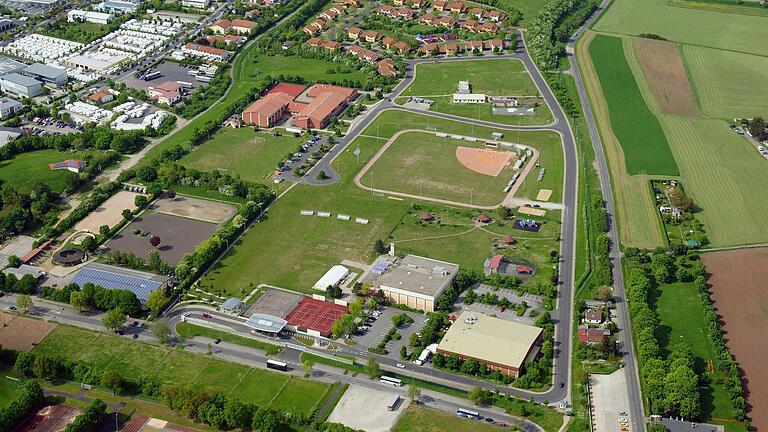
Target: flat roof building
[
  {"x": 207, "y": 52},
  {"x": 499, "y": 344},
  {"x": 119, "y": 6},
  {"x": 77, "y": 15},
  {"x": 10, "y": 66},
  {"x": 9, "y": 107},
  {"x": 24, "y": 270},
  {"x": 326, "y": 101},
  {"x": 20, "y": 85},
  {"x": 332, "y": 277},
  {"x": 96, "y": 61},
  {"x": 413, "y": 281},
  {"x": 47, "y": 74},
  {"x": 111, "y": 277},
  {"x": 197, "y": 4}
]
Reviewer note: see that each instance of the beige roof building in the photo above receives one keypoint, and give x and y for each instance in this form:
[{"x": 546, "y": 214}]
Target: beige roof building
[{"x": 499, "y": 344}]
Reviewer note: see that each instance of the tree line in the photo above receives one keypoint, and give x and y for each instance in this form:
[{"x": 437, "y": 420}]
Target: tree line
[{"x": 29, "y": 397}]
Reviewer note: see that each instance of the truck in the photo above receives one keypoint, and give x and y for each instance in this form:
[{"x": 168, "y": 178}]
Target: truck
[{"x": 428, "y": 352}]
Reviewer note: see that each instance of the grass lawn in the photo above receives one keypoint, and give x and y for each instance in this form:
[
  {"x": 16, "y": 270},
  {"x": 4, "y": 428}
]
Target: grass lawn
[
  {"x": 8, "y": 391},
  {"x": 438, "y": 81},
  {"x": 136, "y": 359},
  {"x": 251, "y": 155},
  {"x": 420, "y": 163},
  {"x": 418, "y": 419},
  {"x": 191, "y": 331},
  {"x": 642, "y": 139},
  {"x": 712, "y": 74},
  {"x": 300, "y": 396},
  {"x": 527, "y": 7},
  {"x": 310, "y": 69},
  {"x": 701, "y": 27},
  {"x": 26, "y": 169},
  {"x": 682, "y": 320},
  {"x": 270, "y": 249},
  {"x": 259, "y": 386}
]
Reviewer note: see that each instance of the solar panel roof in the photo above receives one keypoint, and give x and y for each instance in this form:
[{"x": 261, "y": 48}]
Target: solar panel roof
[{"x": 139, "y": 283}]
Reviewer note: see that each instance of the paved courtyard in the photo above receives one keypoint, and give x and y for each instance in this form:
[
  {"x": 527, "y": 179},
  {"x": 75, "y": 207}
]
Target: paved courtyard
[
  {"x": 366, "y": 409},
  {"x": 609, "y": 398}
]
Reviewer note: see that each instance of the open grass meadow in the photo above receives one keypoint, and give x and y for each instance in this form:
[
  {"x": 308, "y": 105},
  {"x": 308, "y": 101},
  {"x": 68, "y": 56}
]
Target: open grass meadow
[
  {"x": 26, "y": 169},
  {"x": 686, "y": 25},
  {"x": 681, "y": 317},
  {"x": 420, "y": 163},
  {"x": 310, "y": 69},
  {"x": 135, "y": 359},
  {"x": 251, "y": 155},
  {"x": 728, "y": 84},
  {"x": 642, "y": 139},
  {"x": 294, "y": 251},
  {"x": 438, "y": 81},
  {"x": 418, "y": 419},
  {"x": 7, "y": 389}
]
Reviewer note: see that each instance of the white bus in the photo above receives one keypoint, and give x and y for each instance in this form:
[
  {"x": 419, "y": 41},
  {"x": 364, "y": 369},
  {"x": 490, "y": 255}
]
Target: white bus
[
  {"x": 152, "y": 75},
  {"x": 391, "y": 381},
  {"x": 462, "y": 412},
  {"x": 393, "y": 402}
]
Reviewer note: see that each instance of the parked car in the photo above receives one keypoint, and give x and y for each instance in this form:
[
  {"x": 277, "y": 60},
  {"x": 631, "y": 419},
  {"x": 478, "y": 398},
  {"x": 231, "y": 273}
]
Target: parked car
[
  {"x": 400, "y": 365},
  {"x": 217, "y": 341},
  {"x": 206, "y": 315}
]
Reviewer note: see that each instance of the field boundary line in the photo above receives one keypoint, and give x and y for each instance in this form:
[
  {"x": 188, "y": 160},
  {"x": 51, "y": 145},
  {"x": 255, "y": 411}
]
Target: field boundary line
[
  {"x": 279, "y": 392},
  {"x": 623, "y": 35}
]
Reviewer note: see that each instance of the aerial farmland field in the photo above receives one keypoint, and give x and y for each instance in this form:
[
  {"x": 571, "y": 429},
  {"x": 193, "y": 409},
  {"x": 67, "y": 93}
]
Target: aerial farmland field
[
  {"x": 719, "y": 94},
  {"x": 645, "y": 147}
]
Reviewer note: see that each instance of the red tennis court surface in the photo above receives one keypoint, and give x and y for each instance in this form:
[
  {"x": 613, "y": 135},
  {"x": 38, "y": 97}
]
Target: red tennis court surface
[{"x": 316, "y": 315}]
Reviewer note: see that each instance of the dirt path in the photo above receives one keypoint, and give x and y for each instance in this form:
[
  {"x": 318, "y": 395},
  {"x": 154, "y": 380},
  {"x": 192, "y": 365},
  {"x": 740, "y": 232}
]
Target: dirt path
[{"x": 509, "y": 200}]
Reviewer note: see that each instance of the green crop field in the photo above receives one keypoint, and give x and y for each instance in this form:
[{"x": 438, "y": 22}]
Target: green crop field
[
  {"x": 723, "y": 174},
  {"x": 420, "y": 163},
  {"x": 26, "y": 169},
  {"x": 135, "y": 359},
  {"x": 417, "y": 419},
  {"x": 686, "y": 25},
  {"x": 728, "y": 84},
  {"x": 251, "y": 155},
  {"x": 438, "y": 81},
  {"x": 294, "y": 251},
  {"x": 645, "y": 147},
  {"x": 681, "y": 317}
]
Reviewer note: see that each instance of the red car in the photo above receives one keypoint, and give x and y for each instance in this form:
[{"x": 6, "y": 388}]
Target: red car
[{"x": 206, "y": 315}]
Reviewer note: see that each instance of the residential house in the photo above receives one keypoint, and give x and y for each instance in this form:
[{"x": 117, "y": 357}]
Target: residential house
[
  {"x": 456, "y": 7},
  {"x": 387, "y": 42},
  {"x": 403, "y": 13},
  {"x": 101, "y": 97},
  {"x": 417, "y": 4},
  {"x": 476, "y": 12},
  {"x": 446, "y": 21},
  {"x": 314, "y": 42},
  {"x": 427, "y": 19},
  {"x": 451, "y": 49},
  {"x": 385, "y": 10},
  {"x": 329, "y": 15},
  {"x": 387, "y": 67},
  {"x": 371, "y": 36},
  {"x": 439, "y": 5},
  {"x": 402, "y": 47},
  {"x": 398, "y": 2},
  {"x": 166, "y": 93},
  {"x": 591, "y": 335},
  {"x": 354, "y": 33},
  {"x": 469, "y": 25},
  {"x": 474, "y": 45},
  {"x": 593, "y": 316},
  {"x": 332, "y": 45},
  {"x": 495, "y": 15},
  {"x": 487, "y": 27}
]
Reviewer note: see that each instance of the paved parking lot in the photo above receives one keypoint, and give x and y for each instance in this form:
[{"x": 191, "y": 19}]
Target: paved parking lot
[
  {"x": 381, "y": 326},
  {"x": 170, "y": 72},
  {"x": 533, "y": 301},
  {"x": 609, "y": 398},
  {"x": 301, "y": 159}
]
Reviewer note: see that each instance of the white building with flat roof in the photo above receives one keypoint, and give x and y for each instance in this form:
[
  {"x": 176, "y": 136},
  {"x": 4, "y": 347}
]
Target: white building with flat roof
[
  {"x": 413, "y": 281},
  {"x": 198, "y": 4},
  {"x": 77, "y": 15},
  {"x": 20, "y": 85},
  {"x": 469, "y": 98},
  {"x": 119, "y": 6},
  {"x": 332, "y": 277}
]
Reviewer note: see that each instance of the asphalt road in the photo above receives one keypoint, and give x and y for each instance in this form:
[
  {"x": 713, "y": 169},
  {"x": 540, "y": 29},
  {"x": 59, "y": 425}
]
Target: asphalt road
[{"x": 624, "y": 324}]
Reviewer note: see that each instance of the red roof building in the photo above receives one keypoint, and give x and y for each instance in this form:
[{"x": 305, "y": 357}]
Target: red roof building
[
  {"x": 426, "y": 216},
  {"x": 508, "y": 240},
  {"x": 484, "y": 219},
  {"x": 591, "y": 335},
  {"x": 267, "y": 111},
  {"x": 318, "y": 316},
  {"x": 101, "y": 96},
  {"x": 167, "y": 93},
  {"x": 320, "y": 110},
  {"x": 290, "y": 89},
  {"x": 497, "y": 261},
  {"x": 524, "y": 269}
]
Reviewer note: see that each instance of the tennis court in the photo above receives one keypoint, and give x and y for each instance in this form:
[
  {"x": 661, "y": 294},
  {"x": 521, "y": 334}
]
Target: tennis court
[{"x": 316, "y": 315}]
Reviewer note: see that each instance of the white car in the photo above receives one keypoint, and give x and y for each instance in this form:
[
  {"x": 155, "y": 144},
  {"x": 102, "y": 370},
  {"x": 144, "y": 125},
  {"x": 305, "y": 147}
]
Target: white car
[
  {"x": 400, "y": 365},
  {"x": 623, "y": 420}
]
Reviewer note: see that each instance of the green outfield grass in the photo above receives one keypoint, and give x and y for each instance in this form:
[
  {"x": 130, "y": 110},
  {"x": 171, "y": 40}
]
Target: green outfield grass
[
  {"x": 645, "y": 147},
  {"x": 681, "y": 317},
  {"x": 686, "y": 25},
  {"x": 417, "y": 419},
  {"x": 728, "y": 84},
  {"x": 26, "y": 169},
  {"x": 299, "y": 395},
  {"x": 438, "y": 81},
  {"x": 294, "y": 251},
  {"x": 251, "y": 155},
  {"x": 420, "y": 163},
  {"x": 135, "y": 359}
]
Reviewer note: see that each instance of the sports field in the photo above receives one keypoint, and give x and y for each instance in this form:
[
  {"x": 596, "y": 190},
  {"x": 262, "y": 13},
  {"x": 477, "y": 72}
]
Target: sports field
[
  {"x": 423, "y": 164},
  {"x": 645, "y": 147},
  {"x": 728, "y": 84},
  {"x": 682, "y": 320},
  {"x": 438, "y": 81},
  {"x": 294, "y": 251},
  {"x": 686, "y": 25},
  {"x": 251, "y": 155},
  {"x": 26, "y": 169},
  {"x": 136, "y": 359}
]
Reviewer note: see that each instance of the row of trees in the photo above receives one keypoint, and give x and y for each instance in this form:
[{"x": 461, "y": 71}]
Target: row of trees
[
  {"x": 91, "y": 296},
  {"x": 90, "y": 419},
  {"x": 30, "y": 396}
]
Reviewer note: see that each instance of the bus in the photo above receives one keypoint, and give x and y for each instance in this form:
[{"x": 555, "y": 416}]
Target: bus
[
  {"x": 203, "y": 78},
  {"x": 277, "y": 365},
  {"x": 152, "y": 75},
  {"x": 391, "y": 381},
  {"x": 474, "y": 415},
  {"x": 393, "y": 402}
]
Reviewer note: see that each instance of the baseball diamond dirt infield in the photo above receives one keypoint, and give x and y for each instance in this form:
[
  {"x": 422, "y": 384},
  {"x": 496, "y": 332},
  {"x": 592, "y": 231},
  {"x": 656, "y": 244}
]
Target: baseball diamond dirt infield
[
  {"x": 738, "y": 279},
  {"x": 109, "y": 213},
  {"x": 665, "y": 73},
  {"x": 484, "y": 161},
  {"x": 22, "y": 334}
]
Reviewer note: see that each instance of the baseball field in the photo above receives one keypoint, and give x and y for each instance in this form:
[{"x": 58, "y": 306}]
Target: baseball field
[{"x": 294, "y": 251}]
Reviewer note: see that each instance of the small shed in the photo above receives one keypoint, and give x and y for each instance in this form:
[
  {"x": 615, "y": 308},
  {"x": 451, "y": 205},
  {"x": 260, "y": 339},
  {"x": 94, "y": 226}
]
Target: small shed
[
  {"x": 232, "y": 305},
  {"x": 508, "y": 241},
  {"x": 426, "y": 217}
]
